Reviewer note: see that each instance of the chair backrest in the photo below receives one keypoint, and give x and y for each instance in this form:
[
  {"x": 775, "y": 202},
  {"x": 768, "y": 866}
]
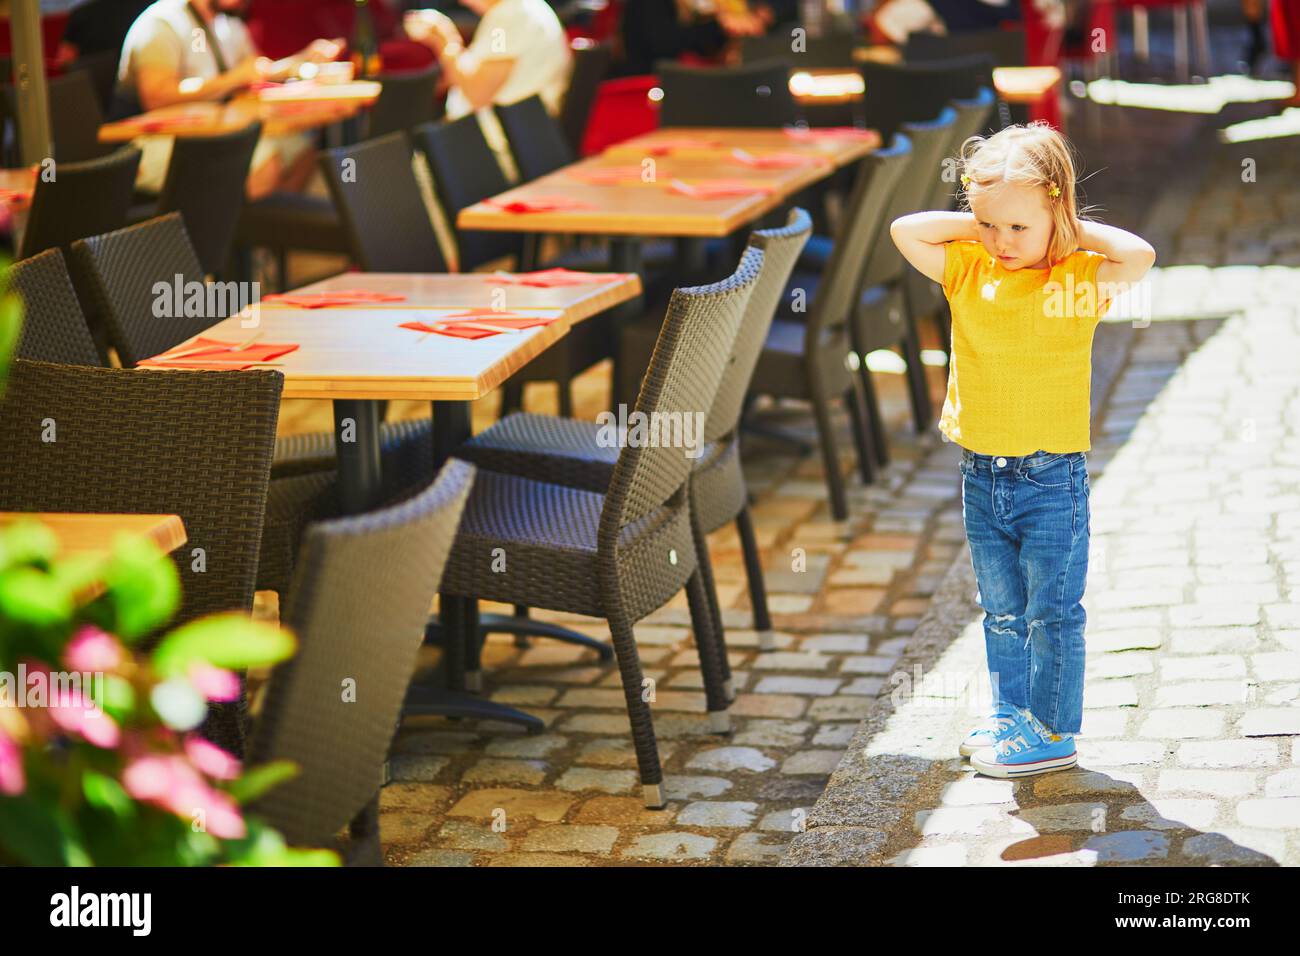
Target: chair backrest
[
  {"x": 899, "y": 93},
  {"x": 54, "y": 328},
  {"x": 879, "y": 176},
  {"x": 756, "y": 94},
  {"x": 84, "y": 199},
  {"x": 76, "y": 114},
  {"x": 405, "y": 101},
  {"x": 205, "y": 184},
  {"x": 1007, "y": 47},
  {"x": 781, "y": 247},
  {"x": 466, "y": 171},
  {"x": 833, "y": 50},
  {"x": 929, "y": 141},
  {"x": 119, "y": 271},
  {"x": 102, "y": 69},
  {"x": 590, "y": 64},
  {"x": 973, "y": 117},
  {"x": 194, "y": 444},
  {"x": 695, "y": 343},
  {"x": 536, "y": 141},
  {"x": 378, "y": 198},
  {"x": 359, "y": 602}
]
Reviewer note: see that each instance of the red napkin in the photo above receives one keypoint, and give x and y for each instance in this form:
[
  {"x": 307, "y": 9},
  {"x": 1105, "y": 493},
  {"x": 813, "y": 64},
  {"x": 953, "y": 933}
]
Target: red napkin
[
  {"x": 209, "y": 366},
  {"x": 717, "y": 188},
  {"x": 775, "y": 160},
  {"x": 828, "y": 132},
  {"x": 553, "y": 278},
  {"x": 15, "y": 196},
  {"x": 662, "y": 147},
  {"x": 538, "y": 204},
  {"x": 609, "y": 175},
  {"x": 206, "y": 353},
  {"x": 154, "y": 124},
  {"x": 477, "y": 323},
  {"x": 321, "y": 300}
]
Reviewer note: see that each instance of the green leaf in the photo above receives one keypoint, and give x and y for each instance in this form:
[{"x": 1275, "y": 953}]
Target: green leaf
[
  {"x": 143, "y": 587},
  {"x": 232, "y": 641},
  {"x": 105, "y": 793},
  {"x": 33, "y": 598},
  {"x": 30, "y": 832},
  {"x": 118, "y": 698},
  {"x": 27, "y": 541},
  {"x": 11, "y": 322},
  {"x": 256, "y": 781}
]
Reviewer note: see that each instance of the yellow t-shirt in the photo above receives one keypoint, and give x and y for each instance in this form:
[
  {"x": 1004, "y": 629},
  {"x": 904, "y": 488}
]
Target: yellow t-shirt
[{"x": 1020, "y": 373}]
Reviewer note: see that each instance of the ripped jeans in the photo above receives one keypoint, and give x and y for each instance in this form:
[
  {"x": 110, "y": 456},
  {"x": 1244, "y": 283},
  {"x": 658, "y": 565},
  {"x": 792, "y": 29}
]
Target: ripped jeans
[{"x": 1027, "y": 524}]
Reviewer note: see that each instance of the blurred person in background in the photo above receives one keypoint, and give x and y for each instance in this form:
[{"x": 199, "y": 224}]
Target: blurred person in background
[
  {"x": 1286, "y": 40},
  {"x": 186, "y": 51}
]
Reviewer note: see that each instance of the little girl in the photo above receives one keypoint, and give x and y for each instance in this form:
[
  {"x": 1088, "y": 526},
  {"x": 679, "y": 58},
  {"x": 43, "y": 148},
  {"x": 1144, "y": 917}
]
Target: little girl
[{"x": 1027, "y": 281}]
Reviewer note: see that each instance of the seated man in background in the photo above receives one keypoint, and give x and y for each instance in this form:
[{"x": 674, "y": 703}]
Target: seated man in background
[
  {"x": 184, "y": 51},
  {"x": 519, "y": 49}
]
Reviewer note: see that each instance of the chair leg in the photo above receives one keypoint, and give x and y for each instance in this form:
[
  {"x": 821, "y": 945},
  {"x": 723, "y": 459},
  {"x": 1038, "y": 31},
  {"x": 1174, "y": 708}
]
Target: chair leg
[
  {"x": 754, "y": 575},
  {"x": 565, "y": 385},
  {"x": 918, "y": 386},
  {"x": 862, "y": 442},
  {"x": 521, "y": 637},
  {"x": 473, "y": 641},
  {"x": 712, "y": 655},
  {"x": 705, "y": 571},
  {"x": 875, "y": 420},
  {"x": 830, "y": 455},
  {"x": 452, "y": 617},
  {"x": 512, "y": 397},
  {"x": 638, "y": 713},
  {"x": 365, "y": 848}
]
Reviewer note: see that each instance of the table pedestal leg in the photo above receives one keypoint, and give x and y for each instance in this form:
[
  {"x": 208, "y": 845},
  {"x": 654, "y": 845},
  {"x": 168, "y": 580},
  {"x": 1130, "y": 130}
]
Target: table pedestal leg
[
  {"x": 356, "y": 437},
  {"x": 624, "y": 256}
]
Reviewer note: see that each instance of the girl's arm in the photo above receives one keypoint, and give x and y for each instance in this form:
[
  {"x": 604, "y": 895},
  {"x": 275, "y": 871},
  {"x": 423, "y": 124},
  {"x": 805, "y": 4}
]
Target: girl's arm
[
  {"x": 1128, "y": 257},
  {"x": 921, "y": 236}
]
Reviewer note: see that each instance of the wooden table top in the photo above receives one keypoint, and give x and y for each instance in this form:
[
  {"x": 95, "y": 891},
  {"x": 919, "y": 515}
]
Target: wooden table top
[
  {"x": 282, "y": 111},
  {"x": 93, "y": 534},
  {"x": 641, "y": 208},
  {"x": 361, "y": 353},
  {"x": 1015, "y": 84}
]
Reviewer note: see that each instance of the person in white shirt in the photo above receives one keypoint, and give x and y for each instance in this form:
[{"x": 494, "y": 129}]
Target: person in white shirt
[
  {"x": 519, "y": 49},
  {"x": 184, "y": 51}
]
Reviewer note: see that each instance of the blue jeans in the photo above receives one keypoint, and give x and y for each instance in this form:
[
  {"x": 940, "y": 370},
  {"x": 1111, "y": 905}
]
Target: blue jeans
[{"x": 1027, "y": 524}]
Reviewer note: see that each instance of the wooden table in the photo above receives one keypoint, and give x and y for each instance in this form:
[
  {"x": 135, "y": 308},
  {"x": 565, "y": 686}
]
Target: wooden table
[
  {"x": 93, "y": 535},
  {"x": 282, "y": 112},
  {"x": 1015, "y": 84},
  {"x": 21, "y": 180}
]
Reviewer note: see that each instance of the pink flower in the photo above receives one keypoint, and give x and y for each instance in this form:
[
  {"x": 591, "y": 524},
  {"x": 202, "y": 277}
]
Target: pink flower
[
  {"x": 74, "y": 714},
  {"x": 214, "y": 683},
  {"x": 168, "y": 781},
  {"x": 12, "y": 781},
  {"x": 92, "y": 650},
  {"x": 211, "y": 759}
]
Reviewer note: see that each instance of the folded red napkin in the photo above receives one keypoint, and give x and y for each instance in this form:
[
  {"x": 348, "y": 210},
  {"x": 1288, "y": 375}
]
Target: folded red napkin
[
  {"x": 608, "y": 175},
  {"x": 538, "y": 204},
  {"x": 828, "y": 132},
  {"x": 204, "y": 352},
  {"x": 209, "y": 366},
  {"x": 320, "y": 300},
  {"x": 479, "y": 323},
  {"x": 552, "y": 278},
  {"x": 775, "y": 160},
  {"x": 717, "y": 188},
  {"x": 15, "y": 196},
  {"x": 662, "y": 147}
]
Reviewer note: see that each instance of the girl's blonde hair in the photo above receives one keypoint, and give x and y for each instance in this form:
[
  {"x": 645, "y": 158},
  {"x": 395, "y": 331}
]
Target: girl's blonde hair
[{"x": 1032, "y": 155}]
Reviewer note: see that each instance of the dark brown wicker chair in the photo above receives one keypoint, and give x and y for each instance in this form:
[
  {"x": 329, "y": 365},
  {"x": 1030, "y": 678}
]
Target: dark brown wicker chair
[
  {"x": 75, "y": 115},
  {"x": 405, "y": 101},
  {"x": 378, "y": 197},
  {"x": 756, "y": 94},
  {"x": 536, "y": 141},
  {"x": 195, "y": 444},
  {"x": 358, "y": 604},
  {"x": 567, "y": 451},
  {"x": 590, "y": 64},
  {"x": 625, "y": 553},
  {"x": 917, "y": 92},
  {"x": 54, "y": 328},
  {"x": 84, "y": 199}
]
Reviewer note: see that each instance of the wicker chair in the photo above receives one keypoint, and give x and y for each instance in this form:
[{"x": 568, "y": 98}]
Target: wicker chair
[
  {"x": 625, "y": 553},
  {"x": 756, "y": 94},
  {"x": 196, "y": 444},
  {"x": 405, "y": 101},
  {"x": 84, "y": 199},
  {"x": 917, "y": 92},
  {"x": 54, "y": 328},
  {"x": 205, "y": 184},
  {"x": 590, "y": 64},
  {"x": 358, "y": 604},
  {"x": 536, "y": 140},
  {"x": 567, "y": 451},
  {"x": 76, "y": 114},
  {"x": 378, "y": 197},
  {"x": 833, "y": 50}
]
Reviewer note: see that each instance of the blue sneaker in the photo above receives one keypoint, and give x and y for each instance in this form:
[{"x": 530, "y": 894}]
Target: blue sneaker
[
  {"x": 986, "y": 735},
  {"x": 1026, "y": 749}
]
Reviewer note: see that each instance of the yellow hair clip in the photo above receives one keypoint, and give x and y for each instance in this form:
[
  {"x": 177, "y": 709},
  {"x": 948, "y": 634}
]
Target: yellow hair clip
[
  {"x": 965, "y": 180},
  {"x": 1053, "y": 190}
]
